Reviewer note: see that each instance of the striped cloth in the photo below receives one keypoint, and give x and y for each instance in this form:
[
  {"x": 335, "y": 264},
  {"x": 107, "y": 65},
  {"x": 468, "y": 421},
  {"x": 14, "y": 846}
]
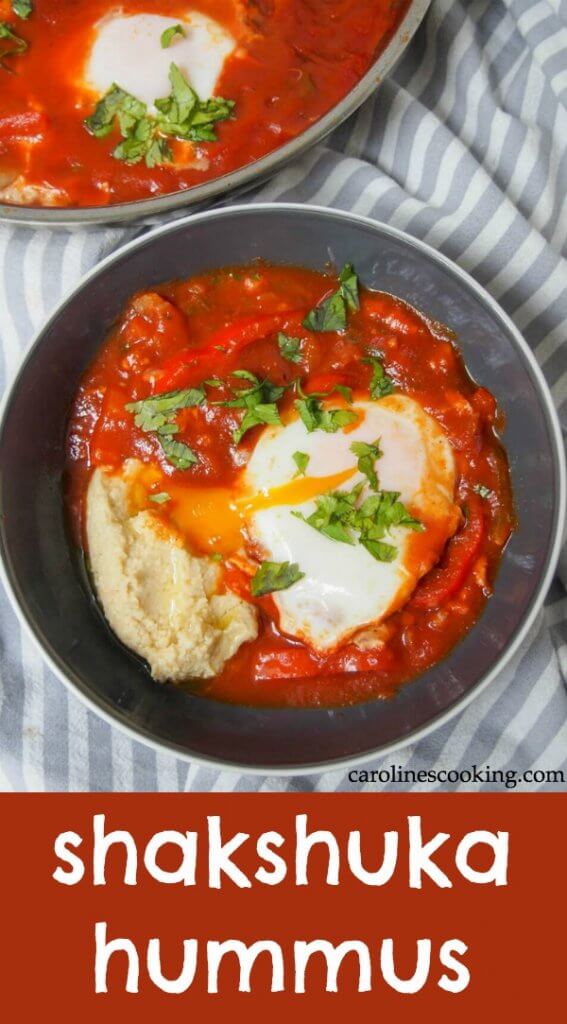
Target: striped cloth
[{"x": 464, "y": 146}]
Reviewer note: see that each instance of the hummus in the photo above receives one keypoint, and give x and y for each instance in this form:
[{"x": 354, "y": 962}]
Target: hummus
[{"x": 160, "y": 600}]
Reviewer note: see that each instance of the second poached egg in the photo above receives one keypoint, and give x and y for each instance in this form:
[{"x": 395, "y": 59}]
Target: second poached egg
[{"x": 127, "y": 51}]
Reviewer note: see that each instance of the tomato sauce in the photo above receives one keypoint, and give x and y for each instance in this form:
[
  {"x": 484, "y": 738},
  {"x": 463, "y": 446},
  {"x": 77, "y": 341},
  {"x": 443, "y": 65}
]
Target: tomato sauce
[
  {"x": 208, "y": 326},
  {"x": 295, "y": 59}
]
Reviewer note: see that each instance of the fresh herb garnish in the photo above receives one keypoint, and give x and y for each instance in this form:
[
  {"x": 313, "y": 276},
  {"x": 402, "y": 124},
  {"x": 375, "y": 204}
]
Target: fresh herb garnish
[
  {"x": 290, "y": 348},
  {"x": 367, "y": 455},
  {"x": 258, "y": 399},
  {"x": 338, "y": 516},
  {"x": 331, "y": 313},
  {"x": 139, "y": 131},
  {"x": 181, "y": 114},
  {"x": 185, "y": 116},
  {"x": 315, "y": 417},
  {"x": 115, "y": 101},
  {"x": 380, "y": 384},
  {"x": 485, "y": 492},
  {"x": 161, "y": 498},
  {"x": 155, "y": 415},
  {"x": 13, "y": 47},
  {"x": 344, "y": 391},
  {"x": 169, "y": 35},
  {"x": 349, "y": 286},
  {"x": 216, "y": 556},
  {"x": 22, "y": 8},
  {"x": 334, "y": 514},
  {"x": 301, "y": 460},
  {"x": 376, "y": 517},
  {"x": 274, "y": 576},
  {"x": 179, "y": 454}
]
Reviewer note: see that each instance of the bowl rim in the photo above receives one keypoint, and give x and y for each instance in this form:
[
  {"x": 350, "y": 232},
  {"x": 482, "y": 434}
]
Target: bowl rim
[
  {"x": 242, "y": 178},
  {"x": 112, "y": 717}
]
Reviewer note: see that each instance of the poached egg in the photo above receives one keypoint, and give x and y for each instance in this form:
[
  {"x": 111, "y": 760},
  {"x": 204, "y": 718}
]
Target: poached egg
[
  {"x": 344, "y": 588},
  {"x": 127, "y": 51}
]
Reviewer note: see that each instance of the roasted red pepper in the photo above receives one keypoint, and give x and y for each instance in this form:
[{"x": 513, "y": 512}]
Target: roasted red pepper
[
  {"x": 226, "y": 341},
  {"x": 446, "y": 579}
]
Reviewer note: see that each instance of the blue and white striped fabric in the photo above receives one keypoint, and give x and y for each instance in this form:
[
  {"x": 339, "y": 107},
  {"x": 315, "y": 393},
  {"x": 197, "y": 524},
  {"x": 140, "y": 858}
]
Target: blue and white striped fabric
[{"x": 464, "y": 146}]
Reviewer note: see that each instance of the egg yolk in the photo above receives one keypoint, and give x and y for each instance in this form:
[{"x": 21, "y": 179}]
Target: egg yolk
[{"x": 212, "y": 519}]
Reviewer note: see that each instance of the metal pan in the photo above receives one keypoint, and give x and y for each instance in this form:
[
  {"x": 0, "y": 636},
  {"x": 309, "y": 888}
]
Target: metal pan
[{"x": 245, "y": 177}]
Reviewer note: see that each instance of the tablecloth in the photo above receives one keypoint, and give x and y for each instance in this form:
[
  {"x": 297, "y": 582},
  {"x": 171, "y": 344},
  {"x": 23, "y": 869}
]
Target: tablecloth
[{"x": 464, "y": 146}]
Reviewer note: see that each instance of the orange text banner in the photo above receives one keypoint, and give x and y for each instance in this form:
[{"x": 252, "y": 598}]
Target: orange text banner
[{"x": 266, "y": 907}]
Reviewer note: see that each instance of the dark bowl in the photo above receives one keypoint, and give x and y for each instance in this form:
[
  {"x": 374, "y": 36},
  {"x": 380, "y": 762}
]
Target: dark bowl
[{"x": 40, "y": 568}]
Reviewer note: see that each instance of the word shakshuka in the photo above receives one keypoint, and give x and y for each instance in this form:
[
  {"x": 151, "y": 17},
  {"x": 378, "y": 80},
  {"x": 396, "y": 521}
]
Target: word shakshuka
[
  {"x": 102, "y": 104},
  {"x": 288, "y": 488}
]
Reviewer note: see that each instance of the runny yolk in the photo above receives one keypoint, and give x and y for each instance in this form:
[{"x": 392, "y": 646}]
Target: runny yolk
[{"x": 212, "y": 518}]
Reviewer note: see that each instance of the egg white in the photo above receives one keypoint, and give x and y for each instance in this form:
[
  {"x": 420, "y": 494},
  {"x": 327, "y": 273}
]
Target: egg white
[
  {"x": 344, "y": 588},
  {"x": 127, "y": 50}
]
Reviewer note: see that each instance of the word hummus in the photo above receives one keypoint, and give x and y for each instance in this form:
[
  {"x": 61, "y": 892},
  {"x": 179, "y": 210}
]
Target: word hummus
[{"x": 217, "y": 858}]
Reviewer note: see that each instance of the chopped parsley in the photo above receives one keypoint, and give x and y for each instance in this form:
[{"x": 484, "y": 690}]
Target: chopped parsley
[
  {"x": 485, "y": 492},
  {"x": 290, "y": 348},
  {"x": 185, "y": 116},
  {"x": 348, "y": 281},
  {"x": 339, "y": 516},
  {"x": 161, "y": 498},
  {"x": 333, "y": 515},
  {"x": 315, "y": 417},
  {"x": 331, "y": 313},
  {"x": 344, "y": 391},
  {"x": 258, "y": 400},
  {"x": 115, "y": 101},
  {"x": 169, "y": 35},
  {"x": 367, "y": 455},
  {"x": 13, "y": 45},
  {"x": 301, "y": 460},
  {"x": 155, "y": 415},
  {"x": 380, "y": 384},
  {"x": 144, "y": 136},
  {"x": 274, "y": 576},
  {"x": 22, "y": 8},
  {"x": 177, "y": 453}
]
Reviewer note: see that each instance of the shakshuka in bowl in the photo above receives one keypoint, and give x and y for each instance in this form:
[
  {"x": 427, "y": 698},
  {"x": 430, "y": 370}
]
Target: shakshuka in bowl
[
  {"x": 104, "y": 105},
  {"x": 289, "y": 482}
]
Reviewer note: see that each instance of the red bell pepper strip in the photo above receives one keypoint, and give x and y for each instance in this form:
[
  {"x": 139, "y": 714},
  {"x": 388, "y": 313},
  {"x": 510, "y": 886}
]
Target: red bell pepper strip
[
  {"x": 448, "y": 578},
  {"x": 231, "y": 338}
]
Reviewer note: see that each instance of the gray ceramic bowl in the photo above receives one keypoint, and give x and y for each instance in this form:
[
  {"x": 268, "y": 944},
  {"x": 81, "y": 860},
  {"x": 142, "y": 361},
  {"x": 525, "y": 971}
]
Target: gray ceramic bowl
[
  {"x": 41, "y": 570},
  {"x": 244, "y": 177}
]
